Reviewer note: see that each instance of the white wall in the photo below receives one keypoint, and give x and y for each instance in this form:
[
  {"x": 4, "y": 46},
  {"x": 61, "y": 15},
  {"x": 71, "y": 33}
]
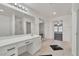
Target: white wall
[
  {"x": 74, "y": 17},
  {"x": 5, "y": 25},
  {"x": 74, "y": 29},
  {"x": 67, "y": 27},
  {"x": 49, "y": 27}
]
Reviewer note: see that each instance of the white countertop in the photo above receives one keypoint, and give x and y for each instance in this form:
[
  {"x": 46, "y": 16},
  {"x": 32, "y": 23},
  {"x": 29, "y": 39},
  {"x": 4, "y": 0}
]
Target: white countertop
[{"x": 14, "y": 39}]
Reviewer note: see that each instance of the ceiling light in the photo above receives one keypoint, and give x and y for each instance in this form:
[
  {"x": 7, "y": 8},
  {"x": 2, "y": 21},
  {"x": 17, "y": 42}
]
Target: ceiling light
[
  {"x": 15, "y": 3},
  {"x": 54, "y": 13},
  {"x": 23, "y": 7},
  {"x": 1, "y": 10},
  {"x": 19, "y": 5}
]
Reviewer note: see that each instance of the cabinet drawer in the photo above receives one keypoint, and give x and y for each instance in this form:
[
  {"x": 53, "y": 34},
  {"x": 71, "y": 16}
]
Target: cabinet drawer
[
  {"x": 35, "y": 46},
  {"x": 20, "y": 44},
  {"x": 14, "y": 54},
  {"x": 1, "y": 52},
  {"x": 27, "y": 42},
  {"x": 23, "y": 43},
  {"x": 11, "y": 53},
  {"x": 8, "y": 50}
]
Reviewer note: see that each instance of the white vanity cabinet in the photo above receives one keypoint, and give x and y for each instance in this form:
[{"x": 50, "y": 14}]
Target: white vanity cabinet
[
  {"x": 35, "y": 46},
  {"x": 19, "y": 45},
  {"x": 22, "y": 46},
  {"x": 8, "y": 50}
]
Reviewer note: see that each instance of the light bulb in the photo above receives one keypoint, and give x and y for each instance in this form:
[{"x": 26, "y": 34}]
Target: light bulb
[
  {"x": 15, "y": 3},
  {"x": 19, "y": 5},
  {"x": 54, "y": 13},
  {"x": 1, "y": 10},
  {"x": 23, "y": 8}
]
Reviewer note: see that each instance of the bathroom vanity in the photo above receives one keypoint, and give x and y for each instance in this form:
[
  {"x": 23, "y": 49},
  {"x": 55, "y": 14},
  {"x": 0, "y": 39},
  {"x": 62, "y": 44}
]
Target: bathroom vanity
[
  {"x": 16, "y": 30},
  {"x": 12, "y": 45}
]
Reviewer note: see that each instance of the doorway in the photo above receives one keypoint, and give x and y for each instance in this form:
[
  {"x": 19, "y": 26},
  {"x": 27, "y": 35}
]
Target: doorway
[
  {"x": 58, "y": 30},
  {"x": 41, "y": 30}
]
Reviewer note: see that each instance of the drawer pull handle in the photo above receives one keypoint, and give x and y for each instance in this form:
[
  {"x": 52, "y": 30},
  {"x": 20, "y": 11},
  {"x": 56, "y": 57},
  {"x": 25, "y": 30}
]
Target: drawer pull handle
[
  {"x": 11, "y": 49},
  {"x": 27, "y": 42},
  {"x": 12, "y": 55}
]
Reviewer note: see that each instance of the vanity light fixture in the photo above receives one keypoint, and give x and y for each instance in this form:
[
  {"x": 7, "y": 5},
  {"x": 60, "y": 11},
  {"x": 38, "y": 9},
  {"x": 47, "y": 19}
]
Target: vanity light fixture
[
  {"x": 1, "y": 10},
  {"x": 15, "y": 3},
  {"x": 23, "y": 7},
  {"x": 54, "y": 13},
  {"x": 19, "y": 6}
]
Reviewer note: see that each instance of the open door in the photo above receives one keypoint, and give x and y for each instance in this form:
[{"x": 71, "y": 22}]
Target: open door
[{"x": 58, "y": 30}]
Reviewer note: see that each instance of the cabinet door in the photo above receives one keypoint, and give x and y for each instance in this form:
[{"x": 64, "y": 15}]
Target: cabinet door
[
  {"x": 2, "y": 53},
  {"x": 35, "y": 46},
  {"x": 22, "y": 46}
]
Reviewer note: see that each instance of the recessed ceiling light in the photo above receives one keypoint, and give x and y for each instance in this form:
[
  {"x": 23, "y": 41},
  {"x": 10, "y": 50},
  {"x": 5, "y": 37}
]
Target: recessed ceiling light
[
  {"x": 1, "y": 10},
  {"x": 54, "y": 13}
]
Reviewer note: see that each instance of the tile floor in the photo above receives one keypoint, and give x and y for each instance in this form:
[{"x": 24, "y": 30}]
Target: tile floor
[{"x": 46, "y": 49}]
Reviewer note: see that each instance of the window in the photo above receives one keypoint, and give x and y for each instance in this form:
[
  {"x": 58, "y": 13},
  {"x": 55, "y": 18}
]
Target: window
[
  {"x": 55, "y": 29},
  {"x": 58, "y": 27}
]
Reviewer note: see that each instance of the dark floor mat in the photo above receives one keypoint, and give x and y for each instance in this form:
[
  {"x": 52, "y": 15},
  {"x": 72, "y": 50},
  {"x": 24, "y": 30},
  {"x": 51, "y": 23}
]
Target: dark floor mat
[
  {"x": 56, "y": 47},
  {"x": 46, "y": 55}
]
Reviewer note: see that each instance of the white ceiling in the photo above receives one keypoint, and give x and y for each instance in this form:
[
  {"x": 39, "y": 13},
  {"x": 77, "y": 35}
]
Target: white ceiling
[{"x": 46, "y": 9}]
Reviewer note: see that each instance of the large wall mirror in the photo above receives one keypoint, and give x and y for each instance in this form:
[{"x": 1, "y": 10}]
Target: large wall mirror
[
  {"x": 18, "y": 26},
  {"x": 28, "y": 27}
]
